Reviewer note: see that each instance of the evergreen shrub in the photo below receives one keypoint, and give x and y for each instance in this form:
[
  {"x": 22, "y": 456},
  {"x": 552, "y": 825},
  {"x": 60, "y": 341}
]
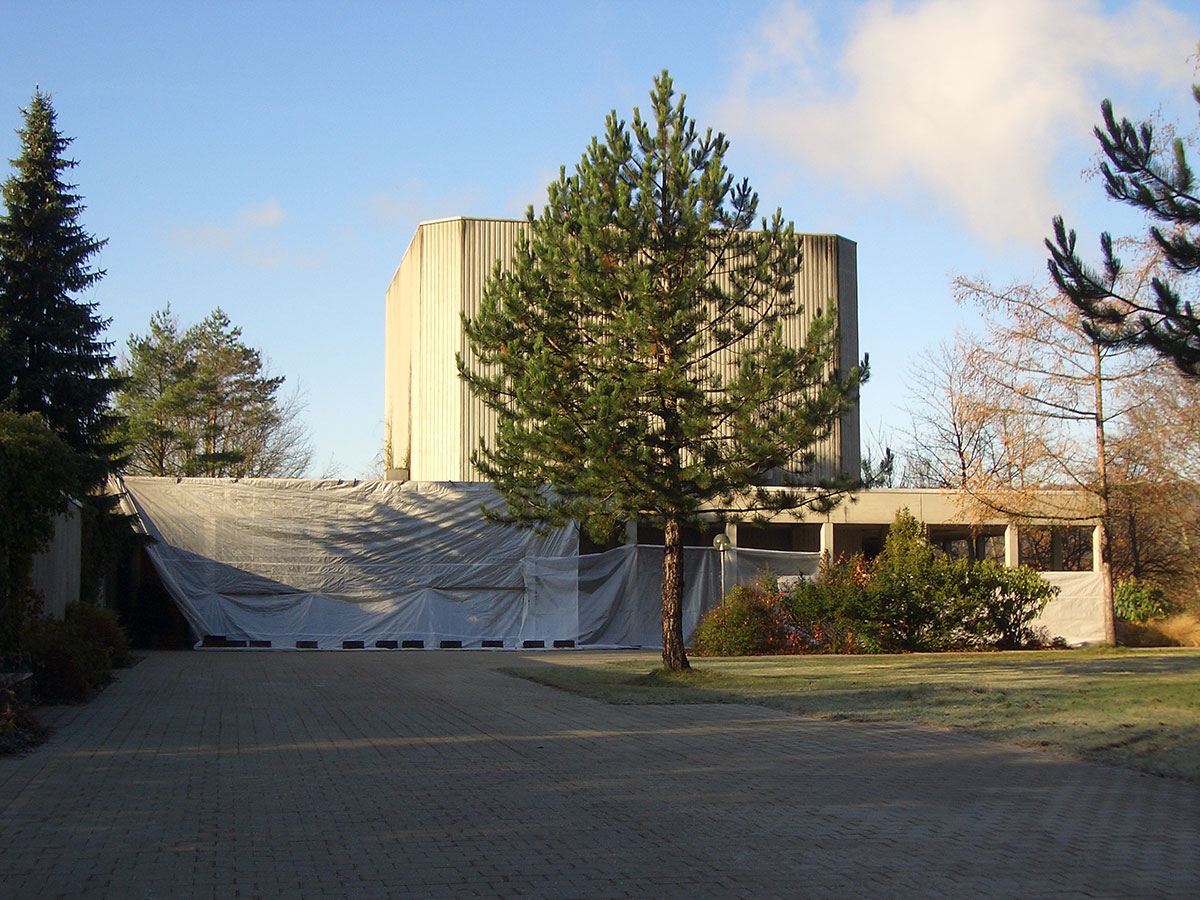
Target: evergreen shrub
[
  {"x": 1140, "y": 601},
  {"x": 100, "y": 625},
  {"x": 18, "y": 727},
  {"x": 831, "y": 610},
  {"x": 73, "y": 657},
  {"x": 19, "y": 730},
  {"x": 913, "y": 595},
  {"x": 1001, "y": 603}
]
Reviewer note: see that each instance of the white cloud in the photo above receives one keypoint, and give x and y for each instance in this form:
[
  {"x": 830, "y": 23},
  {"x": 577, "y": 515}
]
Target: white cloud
[
  {"x": 267, "y": 215},
  {"x": 964, "y": 100},
  {"x": 246, "y": 236}
]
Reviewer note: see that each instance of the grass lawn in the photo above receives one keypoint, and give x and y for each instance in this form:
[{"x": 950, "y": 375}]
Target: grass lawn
[{"x": 1134, "y": 708}]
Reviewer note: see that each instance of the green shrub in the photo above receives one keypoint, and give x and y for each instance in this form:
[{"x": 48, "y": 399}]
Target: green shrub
[
  {"x": 18, "y": 727},
  {"x": 67, "y": 662},
  {"x": 100, "y": 625},
  {"x": 828, "y": 612},
  {"x": 1140, "y": 601},
  {"x": 1001, "y": 603},
  {"x": 911, "y": 598},
  {"x": 918, "y": 599},
  {"x": 751, "y": 620}
]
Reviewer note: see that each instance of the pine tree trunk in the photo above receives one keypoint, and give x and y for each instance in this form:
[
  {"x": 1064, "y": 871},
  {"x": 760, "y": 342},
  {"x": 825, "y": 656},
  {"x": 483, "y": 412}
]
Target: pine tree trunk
[
  {"x": 1110, "y": 625},
  {"x": 673, "y": 654}
]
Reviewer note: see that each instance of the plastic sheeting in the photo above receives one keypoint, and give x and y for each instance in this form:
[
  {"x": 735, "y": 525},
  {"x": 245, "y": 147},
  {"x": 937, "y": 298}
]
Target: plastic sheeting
[
  {"x": 328, "y": 561},
  {"x": 1077, "y": 614},
  {"x": 614, "y": 599}
]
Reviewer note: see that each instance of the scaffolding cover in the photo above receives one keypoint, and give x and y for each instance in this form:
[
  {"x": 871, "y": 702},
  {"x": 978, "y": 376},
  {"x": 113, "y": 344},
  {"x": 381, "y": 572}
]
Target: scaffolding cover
[
  {"x": 330, "y": 561},
  {"x": 1077, "y": 614},
  {"x": 326, "y": 561},
  {"x": 614, "y": 599},
  {"x": 285, "y": 560}
]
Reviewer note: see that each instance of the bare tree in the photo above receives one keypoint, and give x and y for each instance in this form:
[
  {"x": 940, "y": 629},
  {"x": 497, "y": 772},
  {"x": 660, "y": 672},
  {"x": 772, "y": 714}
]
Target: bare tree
[
  {"x": 1050, "y": 391},
  {"x": 1155, "y": 503},
  {"x": 279, "y": 446},
  {"x": 1047, "y": 398},
  {"x": 950, "y": 445}
]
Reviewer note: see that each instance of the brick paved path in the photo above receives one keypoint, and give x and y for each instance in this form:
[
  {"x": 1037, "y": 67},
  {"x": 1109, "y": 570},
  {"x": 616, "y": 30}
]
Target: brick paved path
[{"x": 432, "y": 774}]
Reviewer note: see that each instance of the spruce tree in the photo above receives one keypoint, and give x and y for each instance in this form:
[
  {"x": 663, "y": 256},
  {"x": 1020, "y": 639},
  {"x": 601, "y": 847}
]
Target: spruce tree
[
  {"x": 634, "y": 357},
  {"x": 53, "y": 360}
]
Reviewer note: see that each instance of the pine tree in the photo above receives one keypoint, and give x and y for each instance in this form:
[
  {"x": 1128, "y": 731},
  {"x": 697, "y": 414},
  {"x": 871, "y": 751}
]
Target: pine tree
[
  {"x": 54, "y": 361},
  {"x": 602, "y": 351},
  {"x": 1161, "y": 184},
  {"x": 201, "y": 402},
  {"x": 236, "y": 399},
  {"x": 158, "y": 398}
]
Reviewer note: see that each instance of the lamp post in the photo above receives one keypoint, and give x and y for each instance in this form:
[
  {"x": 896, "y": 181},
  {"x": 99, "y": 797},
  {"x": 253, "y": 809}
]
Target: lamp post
[{"x": 721, "y": 543}]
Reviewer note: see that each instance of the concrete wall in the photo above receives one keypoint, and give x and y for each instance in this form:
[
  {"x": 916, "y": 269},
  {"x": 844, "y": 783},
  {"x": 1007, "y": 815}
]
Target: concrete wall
[{"x": 56, "y": 569}]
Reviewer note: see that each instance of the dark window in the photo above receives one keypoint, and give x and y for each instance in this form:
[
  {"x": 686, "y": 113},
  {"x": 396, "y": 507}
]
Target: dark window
[{"x": 1057, "y": 548}]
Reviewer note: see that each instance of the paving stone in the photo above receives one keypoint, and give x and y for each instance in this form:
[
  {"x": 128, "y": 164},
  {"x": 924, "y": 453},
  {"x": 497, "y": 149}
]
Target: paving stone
[{"x": 282, "y": 774}]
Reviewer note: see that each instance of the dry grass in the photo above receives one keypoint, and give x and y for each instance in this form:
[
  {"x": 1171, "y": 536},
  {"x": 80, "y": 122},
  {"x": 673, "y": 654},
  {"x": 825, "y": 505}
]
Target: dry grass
[
  {"x": 1134, "y": 708},
  {"x": 1179, "y": 630},
  {"x": 1183, "y": 629}
]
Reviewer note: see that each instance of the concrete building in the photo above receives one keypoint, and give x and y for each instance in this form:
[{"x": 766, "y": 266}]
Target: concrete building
[
  {"x": 56, "y": 570},
  {"x": 432, "y": 423}
]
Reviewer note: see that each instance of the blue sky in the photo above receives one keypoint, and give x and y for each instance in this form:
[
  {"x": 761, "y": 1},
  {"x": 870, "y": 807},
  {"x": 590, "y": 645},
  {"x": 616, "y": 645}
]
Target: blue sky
[{"x": 275, "y": 158}]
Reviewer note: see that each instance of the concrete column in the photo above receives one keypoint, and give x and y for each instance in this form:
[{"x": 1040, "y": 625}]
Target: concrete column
[
  {"x": 1012, "y": 545},
  {"x": 827, "y": 538},
  {"x": 731, "y": 532},
  {"x": 1097, "y": 550}
]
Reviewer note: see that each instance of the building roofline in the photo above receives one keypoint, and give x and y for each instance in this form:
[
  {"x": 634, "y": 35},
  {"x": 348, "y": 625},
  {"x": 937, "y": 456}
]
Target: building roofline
[
  {"x": 444, "y": 219},
  {"x": 522, "y": 220}
]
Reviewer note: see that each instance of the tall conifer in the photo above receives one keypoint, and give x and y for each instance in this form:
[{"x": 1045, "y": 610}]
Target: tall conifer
[
  {"x": 52, "y": 359},
  {"x": 634, "y": 356}
]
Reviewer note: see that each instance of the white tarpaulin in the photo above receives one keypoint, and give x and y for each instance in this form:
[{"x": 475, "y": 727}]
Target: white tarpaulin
[
  {"x": 1077, "y": 614},
  {"x": 614, "y": 599},
  {"x": 329, "y": 561},
  {"x": 296, "y": 560},
  {"x": 285, "y": 560}
]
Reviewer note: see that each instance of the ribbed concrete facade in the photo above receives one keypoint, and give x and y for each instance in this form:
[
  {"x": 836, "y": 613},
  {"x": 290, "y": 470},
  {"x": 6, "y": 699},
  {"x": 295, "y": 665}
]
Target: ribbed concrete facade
[{"x": 432, "y": 423}]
